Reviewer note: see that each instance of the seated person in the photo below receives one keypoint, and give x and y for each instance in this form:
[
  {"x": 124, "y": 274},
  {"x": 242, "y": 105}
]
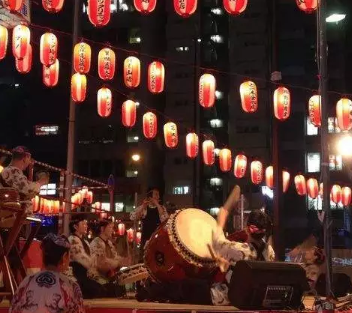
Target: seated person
[
  {"x": 49, "y": 290},
  {"x": 226, "y": 253},
  {"x": 12, "y": 176},
  {"x": 81, "y": 260},
  {"x": 107, "y": 260}
]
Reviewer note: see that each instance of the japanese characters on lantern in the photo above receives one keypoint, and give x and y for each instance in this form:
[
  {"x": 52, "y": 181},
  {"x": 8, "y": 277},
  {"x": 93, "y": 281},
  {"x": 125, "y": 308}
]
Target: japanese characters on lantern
[
  {"x": 282, "y": 103},
  {"x": 106, "y": 64},
  {"x": 104, "y": 102},
  {"x": 78, "y": 87},
  {"x": 171, "y": 135},
  {"x": 314, "y": 109},
  {"x": 24, "y": 65},
  {"x": 249, "y": 97},
  {"x": 150, "y": 125},
  {"x": 207, "y": 88},
  {"x": 51, "y": 74},
  {"x": 185, "y": 8},
  {"x": 145, "y": 6},
  {"x": 312, "y": 188},
  {"x": 300, "y": 184},
  {"x": 132, "y": 72},
  {"x": 129, "y": 113},
  {"x": 256, "y": 172},
  {"x": 225, "y": 160},
  {"x": 4, "y": 39},
  {"x": 192, "y": 145},
  {"x": 346, "y": 196},
  {"x": 240, "y": 166},
  {"x": 208, "y": 153},
  {"x": 308, "y": 6},
  {"x": 21, "y": 38},
  {"x": 99, "y": 12},
  {"x": 335, "y": 194},
  {"x": 82, "y": 56},
  {"x": 13, "y": 5},
  {"x": 53, "y": 6},
  {"x": 235, "y": 7},
  {"x": 156, "y": 77},
  {"x": 343, "y": 114},
  {"x": 48, "y": 49}
]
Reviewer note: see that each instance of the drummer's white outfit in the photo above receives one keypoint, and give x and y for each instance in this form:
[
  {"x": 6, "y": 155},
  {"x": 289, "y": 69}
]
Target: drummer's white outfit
[
  {"x": 232, "y": 252},
  {"x": 141, "y": 211}
]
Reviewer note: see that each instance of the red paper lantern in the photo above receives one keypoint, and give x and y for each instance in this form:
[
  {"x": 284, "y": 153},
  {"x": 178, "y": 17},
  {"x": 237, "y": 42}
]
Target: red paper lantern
[
  {"x": 51, "y": 74},
  {"x": 132, "y": 72},
  {"x": 53, "y": 6},
  {"x": 225, "y": 160},
  {"x": 314, "y": 109},
  {"x": 308, "y": 6},
  {"x": 249, "y": 97},
  {"x": 171, "y": 135},
  {"x": 240, "y": 166},
  {"x": 235, "y": 7},
  {"x": 145, "y": 6},
  {"x": 13, "y": 5},
  {"x": 343, "y": 113},
  {"x": 99, "y": 12},
  {"x": 282, "y": 103},
  {"x": 256, "y": 172},
  {"x": 48, "y": 49},
  {"x": 4, "y": 39},
  {"x": 192, "y": 145},
  {"x": 312, "y": 188},
  {"x": 21, "y": 38},
  {"x": 121, "y": 228},
  {"x": 89, "y": 197},
  {"x": 78, "y": 87},
  {"x": 207, "y": 88},
  {"x": 82, "y": 56},
  {"x": 138, "y": 237},
  {"x": 104, "y": 103},
  {"x": 269, "y": 177},
  {"x": 156, "y": 77},
  {"x": 300, "y": 184},
  {"x": 208, "y": 147},
  {"x": 24, "y": 65},
  {"x": 346, "y": 196},
  {"x": 129, "y": 113},
  {"x": 185, "y": 8},
  {"x": 106, "y": 64},
  {"x": 285, "y": 180},
  {"x": 335, "y": 194},
  {"x": 150, "y": 125},
  {"x": 130, "y": 235}
]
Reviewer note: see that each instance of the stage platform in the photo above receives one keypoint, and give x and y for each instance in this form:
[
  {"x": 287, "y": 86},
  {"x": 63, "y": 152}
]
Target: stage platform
[{"x": 133, "y": 306}]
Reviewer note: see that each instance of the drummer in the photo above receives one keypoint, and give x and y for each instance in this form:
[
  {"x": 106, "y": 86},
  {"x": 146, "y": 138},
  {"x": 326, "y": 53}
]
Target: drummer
[
  {"x": 12, "y": 176},
  {"x": 107, "y": 260},
  {"x": 152, "y": 213}
]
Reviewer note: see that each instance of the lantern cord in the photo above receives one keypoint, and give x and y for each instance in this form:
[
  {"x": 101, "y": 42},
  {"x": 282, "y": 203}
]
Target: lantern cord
[{"x": 205, "y": 69}]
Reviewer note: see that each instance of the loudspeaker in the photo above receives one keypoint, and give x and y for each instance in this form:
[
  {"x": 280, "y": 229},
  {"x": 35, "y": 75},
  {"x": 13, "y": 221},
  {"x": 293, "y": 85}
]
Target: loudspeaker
[
  {"x": 341, "y": 285},
  {"x": 267, "y": 285}
]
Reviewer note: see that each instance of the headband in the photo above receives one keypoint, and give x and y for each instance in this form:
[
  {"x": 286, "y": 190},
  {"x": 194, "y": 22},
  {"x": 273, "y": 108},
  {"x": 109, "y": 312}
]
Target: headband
[
  {"x": 255, "y": 230},
  {"x": 58, "y": 240}
]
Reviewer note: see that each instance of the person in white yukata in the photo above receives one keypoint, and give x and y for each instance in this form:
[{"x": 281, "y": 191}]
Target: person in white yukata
[{"x": 49, "y": 291}]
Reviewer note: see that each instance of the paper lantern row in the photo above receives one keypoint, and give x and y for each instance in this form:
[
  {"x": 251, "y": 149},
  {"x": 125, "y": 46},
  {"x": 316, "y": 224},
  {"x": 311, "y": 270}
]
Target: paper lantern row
[{"x": 45, "y": 206}]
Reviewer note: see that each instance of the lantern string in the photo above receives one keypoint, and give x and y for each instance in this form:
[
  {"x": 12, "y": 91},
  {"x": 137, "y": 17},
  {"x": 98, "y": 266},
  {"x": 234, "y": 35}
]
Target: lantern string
[{"x": 205, "y": 69}]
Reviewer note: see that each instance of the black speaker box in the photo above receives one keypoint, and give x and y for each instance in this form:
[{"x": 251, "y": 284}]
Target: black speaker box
[
  {"x": 341, "y": 285},
  {"x": 259, "y": 285}
]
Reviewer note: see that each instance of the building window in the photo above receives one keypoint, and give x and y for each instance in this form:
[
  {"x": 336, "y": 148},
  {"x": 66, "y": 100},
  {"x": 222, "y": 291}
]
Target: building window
[
  {"x": 317, "y": 204},
  {"x": 216, "y": 181},
  {"x": 217, "y": 38},
  {"x": 311, "y": 129},
  {"x": 313, "y": 162},
  {"x": 46, "y": 130},
  {"x": 335, "y": 162},
  {"x": 216, "y": 123},
  {"x": 119, "y": 207},
  {"x": 217, "y": 11},
  {"x": 180, "y": 190},
  {"x": 214, "y": 211},
  {"x": 219, "y": 95},
  {"x": 132, "y": 138},
  {"x": 131, "y": 174},
  {"x": 333, "y": 126},
  {"x": 134, "y": 37},
  {"x": 48, "y": 190},
  {"x": 182, "y": 49}
]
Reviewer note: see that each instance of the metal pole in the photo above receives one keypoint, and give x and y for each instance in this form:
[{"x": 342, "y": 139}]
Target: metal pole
[
  {"x": 71, "y": 124},
  {"x": 242, "y": 211},
  {"x": 323, "y": 72}
]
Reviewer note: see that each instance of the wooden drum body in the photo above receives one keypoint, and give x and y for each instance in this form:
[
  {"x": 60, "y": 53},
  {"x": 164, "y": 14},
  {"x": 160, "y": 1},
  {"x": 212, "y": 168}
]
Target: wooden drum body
[
  {"x": 178, "y": 249},
  {"x": 9, "y": 206}
]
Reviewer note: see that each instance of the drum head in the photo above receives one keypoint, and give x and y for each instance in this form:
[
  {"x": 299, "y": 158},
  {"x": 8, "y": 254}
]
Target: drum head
[{"x": 194, "y": 228}]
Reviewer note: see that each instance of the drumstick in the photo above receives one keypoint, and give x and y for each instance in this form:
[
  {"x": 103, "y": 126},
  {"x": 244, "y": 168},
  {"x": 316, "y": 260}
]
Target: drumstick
[{"x": 216, "y": 259}]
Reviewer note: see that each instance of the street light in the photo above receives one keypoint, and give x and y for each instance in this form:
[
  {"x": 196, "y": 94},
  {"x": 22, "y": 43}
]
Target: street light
[
  {"x": 136, "y": 157},
  {"x": 344, "y": 146},
  {"x": 335, "y": 18}
]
